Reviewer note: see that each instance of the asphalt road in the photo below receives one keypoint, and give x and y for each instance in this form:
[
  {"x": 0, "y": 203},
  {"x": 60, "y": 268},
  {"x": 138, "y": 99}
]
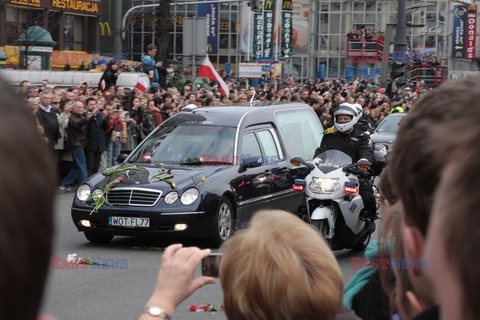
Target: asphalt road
[{"x": 97, "y": 293}]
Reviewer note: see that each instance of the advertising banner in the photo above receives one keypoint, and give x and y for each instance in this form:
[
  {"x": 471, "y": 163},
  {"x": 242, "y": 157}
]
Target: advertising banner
[
  {"x": 471, "y": 31},
  {"x": 459, "y": 32},
  {"x": 268, "y": 27},
  {"x": 287, "y": 30},
  {"x": 257, "y": 51},
  {"x": 250, "y": 70},
  {"x": 210, "y": 12}
]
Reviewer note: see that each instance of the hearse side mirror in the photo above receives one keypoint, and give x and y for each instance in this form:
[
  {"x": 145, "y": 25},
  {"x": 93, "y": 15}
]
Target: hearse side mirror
[
  {"x": 250, "y": 162},
  {"x": 121, "y": 157}
]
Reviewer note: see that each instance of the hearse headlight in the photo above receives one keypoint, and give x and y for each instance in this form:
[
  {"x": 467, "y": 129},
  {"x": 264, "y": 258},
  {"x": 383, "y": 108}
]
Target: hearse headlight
[
  {"x": 97, "y": 193},
  {"x": 189, "y": 196},
  {"x": 83, "y": 192},
  {"x": 171, "y": 197}
]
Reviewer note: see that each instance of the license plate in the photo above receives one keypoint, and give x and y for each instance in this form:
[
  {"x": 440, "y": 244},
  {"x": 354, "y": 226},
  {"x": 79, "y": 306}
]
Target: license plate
[{"x": 129, "y": 222}]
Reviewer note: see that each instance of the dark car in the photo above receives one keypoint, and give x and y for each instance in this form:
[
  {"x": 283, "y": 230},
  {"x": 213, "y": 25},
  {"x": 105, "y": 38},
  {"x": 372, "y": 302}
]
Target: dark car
[
  {"x": 383, "y": 139},
  {"x": 227, "y": 163}
]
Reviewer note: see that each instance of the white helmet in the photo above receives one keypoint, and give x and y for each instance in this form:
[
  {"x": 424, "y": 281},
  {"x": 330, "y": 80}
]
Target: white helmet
[
  {"x": 347, "y": 109},
  {"x": 189, "y": 107},
  {"x": 359, "y": 109}
]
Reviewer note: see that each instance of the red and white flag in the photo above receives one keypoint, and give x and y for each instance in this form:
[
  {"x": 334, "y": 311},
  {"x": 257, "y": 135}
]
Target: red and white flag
[
  {"x": 207, "y": 70},
  {"x": 103, "y": 84},
  {"x": 142, "y": 84}
]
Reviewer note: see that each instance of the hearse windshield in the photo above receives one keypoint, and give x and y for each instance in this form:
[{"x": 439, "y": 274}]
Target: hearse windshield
[{"x": 186, "y": 145}]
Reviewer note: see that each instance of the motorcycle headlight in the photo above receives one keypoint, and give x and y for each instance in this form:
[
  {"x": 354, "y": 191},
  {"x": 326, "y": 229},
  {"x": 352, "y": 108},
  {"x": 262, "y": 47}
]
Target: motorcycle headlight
[
  {"x": 83, "y": 192},
  {"x": 189, "y": 196},
  {"x": 324, "y": 185},
  {"x": 171, "y": 197}
]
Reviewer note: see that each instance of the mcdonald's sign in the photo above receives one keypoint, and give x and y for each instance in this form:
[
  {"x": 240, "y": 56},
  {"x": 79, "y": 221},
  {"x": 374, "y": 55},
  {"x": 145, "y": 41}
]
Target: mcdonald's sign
[
  {"x": 268, "y": 5},
  {"x": 287, "y": 5},
  {"x": 105, "y": 26}
]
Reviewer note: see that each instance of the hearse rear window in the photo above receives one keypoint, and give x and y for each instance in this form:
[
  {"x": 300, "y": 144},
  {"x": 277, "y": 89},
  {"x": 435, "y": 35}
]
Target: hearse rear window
[{"x": 301, "y": 131}]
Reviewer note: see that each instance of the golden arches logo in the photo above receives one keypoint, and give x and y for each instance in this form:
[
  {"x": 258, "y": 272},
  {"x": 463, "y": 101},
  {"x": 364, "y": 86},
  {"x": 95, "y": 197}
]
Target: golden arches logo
[
  {"x": 268, "y": 5},
  {"x": 105, "y": 26},
  {"x": 287, "y": 5}
]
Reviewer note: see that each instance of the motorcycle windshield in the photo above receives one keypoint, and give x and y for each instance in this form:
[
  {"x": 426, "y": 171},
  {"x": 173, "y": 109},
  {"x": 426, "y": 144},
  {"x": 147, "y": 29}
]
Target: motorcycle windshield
[{"x": 332, "y": 160}]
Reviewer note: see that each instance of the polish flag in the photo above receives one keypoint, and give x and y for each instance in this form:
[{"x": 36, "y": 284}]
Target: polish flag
[
  {"x": 207, "y": 70},
  {"x": 103, "y": 84},
  {"x": 142, "y": 84}
]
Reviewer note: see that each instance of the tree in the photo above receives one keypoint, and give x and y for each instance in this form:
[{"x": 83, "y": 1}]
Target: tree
[{"x": 163, "y": 28}]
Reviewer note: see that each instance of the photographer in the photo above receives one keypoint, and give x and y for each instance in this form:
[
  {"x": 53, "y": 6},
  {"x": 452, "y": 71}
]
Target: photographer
[
  {"x": 115, "y": 129},
  {"x": 96, "y": 143}
]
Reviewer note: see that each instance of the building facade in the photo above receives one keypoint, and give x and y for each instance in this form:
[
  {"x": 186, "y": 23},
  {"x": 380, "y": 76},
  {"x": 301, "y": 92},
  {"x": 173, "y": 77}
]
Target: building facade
[
  {"x": 73, "y": 25},
  {"x": 320, "y": 43}
]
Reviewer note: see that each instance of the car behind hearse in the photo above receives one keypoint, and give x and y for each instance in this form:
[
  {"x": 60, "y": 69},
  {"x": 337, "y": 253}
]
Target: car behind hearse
[{"x": 223, "y": 164}]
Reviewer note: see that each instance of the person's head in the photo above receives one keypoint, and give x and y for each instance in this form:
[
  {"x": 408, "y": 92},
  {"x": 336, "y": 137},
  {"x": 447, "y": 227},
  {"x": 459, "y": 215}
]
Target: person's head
[
  {"x": 91, "y": 103},
  {"x": 151, "y": 105},
  {"x": 45, "y": 98},
  {"x": 24, "y": 84},
  {"x": 56, "y": 100},
  {"x": 279, "y": 268},
  {"x": 416, "y": 164},
  {"x": 346, "y": 117},
  {"x": 113, "y": 65},
  {"x": 32, "y": 92},
  {"x": 453, "y": 239},
  {"x": 27, "y": 173},
  {"x": 120, "y": 91},
  {"x": 102, "y": 64},
  {"x": 152, "y": 50},
  {"x": 78, "y": 108},
  {"x": 136, "y": 102},
  {"x": 33, "y": 104}
]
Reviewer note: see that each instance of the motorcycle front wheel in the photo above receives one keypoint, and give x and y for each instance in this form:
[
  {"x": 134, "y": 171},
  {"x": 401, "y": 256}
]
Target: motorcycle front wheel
[{"x": 323, "y": 227}]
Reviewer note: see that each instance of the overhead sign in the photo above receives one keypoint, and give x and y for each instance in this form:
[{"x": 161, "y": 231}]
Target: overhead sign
[
  {"x": 250, "y": 70},
  {"x": 287, "y": 29},
  {"x": 77, "y": 6},
  {"x": 210, "y": 12},
  {"x": 471, "y": 31},
  {"x": 257, "y": 35},
  {"x": 459, "y": 29},
  {"x": 268, "y": 18}
]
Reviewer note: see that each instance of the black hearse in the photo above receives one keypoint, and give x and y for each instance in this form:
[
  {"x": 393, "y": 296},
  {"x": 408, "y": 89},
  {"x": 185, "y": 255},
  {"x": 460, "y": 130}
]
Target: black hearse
[{"x": 217, "y": 167}]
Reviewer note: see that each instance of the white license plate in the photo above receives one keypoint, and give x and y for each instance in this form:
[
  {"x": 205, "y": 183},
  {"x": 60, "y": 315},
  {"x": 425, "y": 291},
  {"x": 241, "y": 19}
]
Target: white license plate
[{"x": 129, "y": 222}]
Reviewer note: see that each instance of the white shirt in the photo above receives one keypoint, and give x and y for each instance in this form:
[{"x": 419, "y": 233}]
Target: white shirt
[{"x": 46, "y": 109}]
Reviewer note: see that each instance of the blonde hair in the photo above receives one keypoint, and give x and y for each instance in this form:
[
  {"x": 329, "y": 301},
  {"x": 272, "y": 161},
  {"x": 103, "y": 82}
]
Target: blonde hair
[{"x": 279, "y": 268}]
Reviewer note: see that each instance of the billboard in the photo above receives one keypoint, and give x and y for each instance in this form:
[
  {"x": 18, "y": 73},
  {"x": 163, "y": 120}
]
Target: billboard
[
  {"x": 471, "y": 31},
  {"x": 210, "y": 12},
  {"x": 459, "y": 32}
]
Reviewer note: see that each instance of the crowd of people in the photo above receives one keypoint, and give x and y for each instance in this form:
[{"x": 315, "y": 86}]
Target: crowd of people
[
  {"x": 105, "y": 123},
  {"x": 367, "y": 34}
]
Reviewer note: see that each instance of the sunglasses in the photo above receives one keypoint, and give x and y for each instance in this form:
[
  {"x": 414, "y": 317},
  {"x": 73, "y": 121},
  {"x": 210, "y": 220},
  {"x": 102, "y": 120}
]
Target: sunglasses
[{"x": 55, "y": 102}]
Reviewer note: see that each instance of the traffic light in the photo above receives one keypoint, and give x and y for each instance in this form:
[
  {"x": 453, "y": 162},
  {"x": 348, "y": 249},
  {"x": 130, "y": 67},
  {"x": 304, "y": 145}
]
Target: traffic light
[
  {"x": 255, "y": 5},
  {"x": 396, "y": 70}
]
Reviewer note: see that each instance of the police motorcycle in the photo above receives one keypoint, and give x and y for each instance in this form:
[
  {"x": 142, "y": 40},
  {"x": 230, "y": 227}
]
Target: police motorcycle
[{"x": 333, "y": 202}]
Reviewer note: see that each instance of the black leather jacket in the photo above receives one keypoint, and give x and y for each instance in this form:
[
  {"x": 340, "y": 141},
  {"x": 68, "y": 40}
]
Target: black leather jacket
[
  {"x": 77, "y": 130},
  {"x": 356, "y": 144}
]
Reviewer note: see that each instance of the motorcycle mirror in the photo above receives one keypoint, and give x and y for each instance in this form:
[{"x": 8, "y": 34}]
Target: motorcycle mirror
[{"x": 296, "y": 161}]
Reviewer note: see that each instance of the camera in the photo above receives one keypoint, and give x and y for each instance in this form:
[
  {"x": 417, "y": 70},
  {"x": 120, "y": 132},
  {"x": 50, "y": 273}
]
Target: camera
[{"x": 211, "y": 265}]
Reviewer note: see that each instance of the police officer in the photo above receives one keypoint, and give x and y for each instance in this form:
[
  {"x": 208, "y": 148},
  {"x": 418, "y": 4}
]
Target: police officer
[{"x": 354, "y": 143}]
